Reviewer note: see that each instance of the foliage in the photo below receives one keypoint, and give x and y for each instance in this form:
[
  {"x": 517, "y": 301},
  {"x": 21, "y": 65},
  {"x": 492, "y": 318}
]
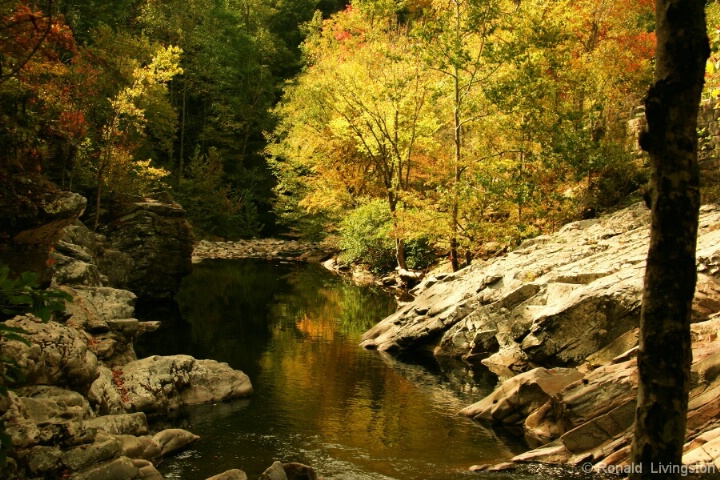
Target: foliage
[
  {"x": 475, "y": 121},
  {"x": 365, "y": 239},
  {"x": 497, "y": 120},
  {"x": 355, "y": 119},
  {"x": 214, "y": 208},
  {"x": 24, "y": 295},
  {"x": 420, "y": 253},
  {"x": 711, "y": 90},
  {"x": 112, "y": 160},
  {"x": 68, "y": 66},
  {"x": 17, "y": 296}
]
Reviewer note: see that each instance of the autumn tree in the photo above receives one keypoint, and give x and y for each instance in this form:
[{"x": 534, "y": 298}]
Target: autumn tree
[
  {"x": 38, "y": 107},
  {"x": 665, "y": 352},
  {"x": 570, "y": 74},
  {"x": 114, "y": 154},
  {"x": 358, "y": 116},
  {"x": 456, "y": 38}
]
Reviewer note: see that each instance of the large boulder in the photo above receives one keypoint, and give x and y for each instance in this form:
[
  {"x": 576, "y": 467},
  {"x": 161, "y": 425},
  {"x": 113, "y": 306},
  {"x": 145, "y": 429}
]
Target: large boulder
[
  {"x": 157, "y": 237},
  {"x": 53, "y": 418},
  {"x": 106, "y": 314},
  {"x": 233, "y": 474},
  {"x": 160, "y": 384},
  {"x": 57, "y": 354}
]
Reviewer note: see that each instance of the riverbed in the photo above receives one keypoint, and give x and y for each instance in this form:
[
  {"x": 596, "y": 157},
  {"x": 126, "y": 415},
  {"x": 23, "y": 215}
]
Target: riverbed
[{"x": 319, "y": 399}]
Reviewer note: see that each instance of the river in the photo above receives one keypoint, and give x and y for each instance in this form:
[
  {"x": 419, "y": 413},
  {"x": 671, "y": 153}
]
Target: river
[{"x": 319, "y": 399}]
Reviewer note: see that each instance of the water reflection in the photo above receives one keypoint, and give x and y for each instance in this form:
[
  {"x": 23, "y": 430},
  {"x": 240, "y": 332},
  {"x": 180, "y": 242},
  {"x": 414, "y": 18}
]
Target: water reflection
[{"x": 319, "y": 398}]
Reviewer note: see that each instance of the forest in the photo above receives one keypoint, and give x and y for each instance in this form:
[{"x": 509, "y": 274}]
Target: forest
[
  {"x": 405, "y": 129},
  {"x": 399, "y": 132}
]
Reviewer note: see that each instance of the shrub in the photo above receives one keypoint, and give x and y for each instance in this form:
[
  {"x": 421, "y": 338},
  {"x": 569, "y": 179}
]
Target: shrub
[{"x": 366, "y": 238}]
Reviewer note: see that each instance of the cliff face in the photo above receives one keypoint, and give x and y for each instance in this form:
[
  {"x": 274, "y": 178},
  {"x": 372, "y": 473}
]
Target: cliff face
[{"x": 156, "y": 239}]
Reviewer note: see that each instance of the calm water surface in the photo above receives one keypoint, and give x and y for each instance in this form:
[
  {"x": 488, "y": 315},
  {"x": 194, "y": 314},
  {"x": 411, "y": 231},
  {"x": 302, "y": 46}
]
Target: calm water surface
[{"x": 319, "y": 398}]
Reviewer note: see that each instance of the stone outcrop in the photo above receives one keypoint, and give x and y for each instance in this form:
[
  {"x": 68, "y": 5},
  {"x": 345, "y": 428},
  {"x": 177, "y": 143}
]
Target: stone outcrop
[
  {"x": 582, "y": 415},
  {"x": 54, "y": 433},
  {"x": 557, "y": 319},
  {"x": 156, "y": 241},
  {"x": 33, "y": 214},
  {"x": 82, "y": 364},
  {"x": 552, "y": 302},
  {"x": 56, "y": 354},
  {"x": 160, "y": 384},
  {"x": 106, "y": 315}
]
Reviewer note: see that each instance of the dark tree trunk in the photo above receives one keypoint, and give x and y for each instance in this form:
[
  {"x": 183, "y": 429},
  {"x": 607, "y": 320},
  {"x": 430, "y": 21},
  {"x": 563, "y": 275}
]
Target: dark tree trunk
[{"x": 665, "y": 351}]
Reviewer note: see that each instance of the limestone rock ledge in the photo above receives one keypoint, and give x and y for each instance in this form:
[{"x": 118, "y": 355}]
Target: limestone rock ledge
[{"x": 576, "y": 416}]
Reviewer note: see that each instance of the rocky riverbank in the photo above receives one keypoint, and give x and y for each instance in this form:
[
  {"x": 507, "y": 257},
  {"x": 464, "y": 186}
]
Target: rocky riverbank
[
  {"x": 81, "y": 411},
  {"x": 264, "y": 248},
  {"x": 557, "y": 320}
]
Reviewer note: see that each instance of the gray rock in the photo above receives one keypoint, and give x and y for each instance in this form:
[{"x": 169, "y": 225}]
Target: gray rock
[
  {"x": 158, "y": 239},
  {"x": 144, "y": 447},
  {"x": 158, "y": 384},
  {"x": 106, "y": 314},
  {"x": 274, "y": 472},
  {"x": 147, "y": 470},
  {"x": 109, "y": 303},
  {"x": 71, "y": 271},
  {"x": 32, "y": 220},
  {"x": 553, "y": 301},
  {"x": 44, "y": 421},
  {"x": 70, "y": 400},
  {"x": 172, "y": 440},
  {"x": 84, "y": 456},
  {"x": 42, "y": 460},
  {"x": 122, "y": 424},
  {"x": 234, "y": 474},
  {"x": 116, "y": 266},
  {"x": 58, "y": 355},
  {"x": 121, "y": 468},
  {"x": 105, "y": 395},
  {"x": 298, "y": 471},
  {"x": 521, "y": 395}
]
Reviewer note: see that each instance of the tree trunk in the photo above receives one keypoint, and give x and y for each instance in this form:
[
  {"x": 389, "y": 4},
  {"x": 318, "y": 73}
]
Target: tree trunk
[
  {"x": 399, "y": 243},
  {"x": 181, "y": 165},
  {"x": 665, "y": 352},
  {"x": 457, "y": 139}
]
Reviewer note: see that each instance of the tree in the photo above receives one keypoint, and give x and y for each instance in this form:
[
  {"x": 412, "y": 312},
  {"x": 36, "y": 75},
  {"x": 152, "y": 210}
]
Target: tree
[
  {"x": 665, "y": 352},
  {"x": 456, "y": 34},
  {"x": 23, "y": 30},
  {"x": 358, "y": 116},
  {"x": 127, "y": 117}
]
